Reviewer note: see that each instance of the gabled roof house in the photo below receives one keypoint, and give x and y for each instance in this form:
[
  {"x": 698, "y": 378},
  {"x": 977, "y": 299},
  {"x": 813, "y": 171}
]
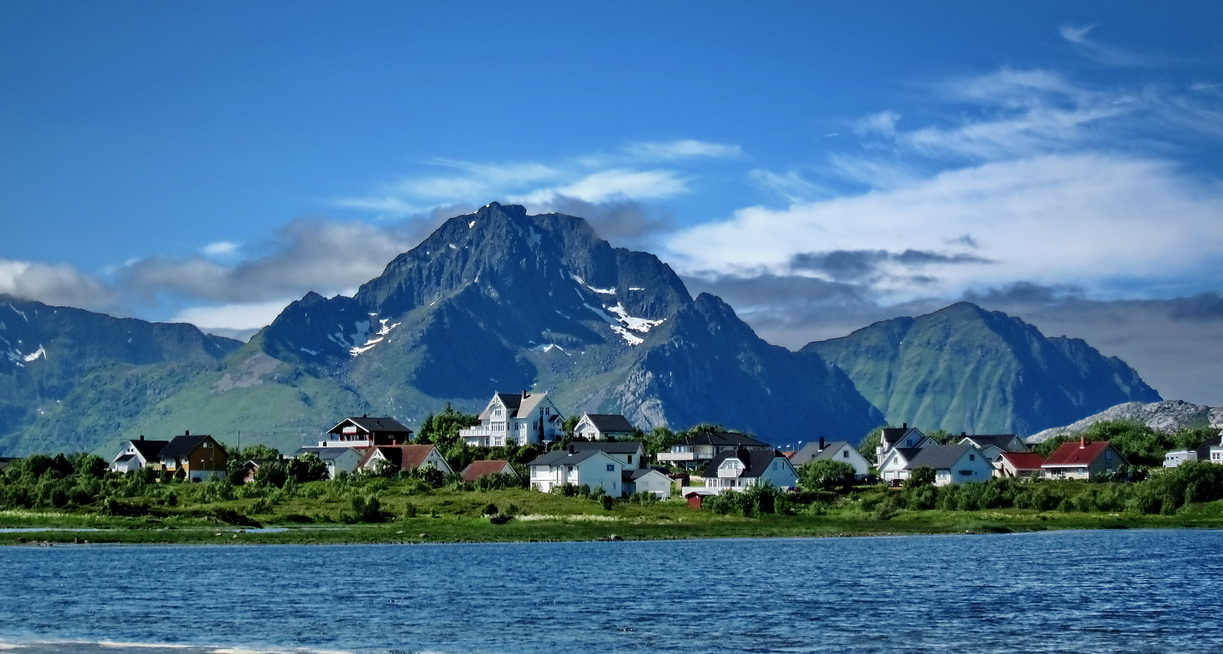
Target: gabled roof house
[
  {"x": 199, "y": 456},
  {"x": 591, "y": 468},
  {"x": 137, "y": 454},
  {"x": 737, "y": 469},
  {"x": 991, "y": 445},
  {"x": 601, "y": 426},
  {"x": 1082, "y": 459},
  {"x": 404, "y": 457},
  {"x": 477, "y": 469},
  {"x": 631, "y": 454},
  {"x": 842, "y": 451},
  {"x": 529, "y": 418},
  {"x": 1020, "y": 465},
  {"x": 952, "y": 464},
  {"x": 367, "y": 432},
  {"x": 694, "y": 451}
]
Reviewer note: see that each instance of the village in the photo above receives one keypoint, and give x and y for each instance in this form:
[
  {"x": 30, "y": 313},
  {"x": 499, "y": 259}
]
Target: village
[{"x": 600, "y": 454}]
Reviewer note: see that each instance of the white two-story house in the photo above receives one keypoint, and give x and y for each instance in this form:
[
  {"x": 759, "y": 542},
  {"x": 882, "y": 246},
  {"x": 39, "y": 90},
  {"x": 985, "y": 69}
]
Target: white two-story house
[
  {"x": 529, "y": 418},
  {"x": 739, "y": 469},
  {"x": 585, "y": 468}
]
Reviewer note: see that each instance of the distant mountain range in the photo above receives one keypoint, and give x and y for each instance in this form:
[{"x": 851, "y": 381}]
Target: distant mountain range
[
  {"x": 1167, "y": 416},
  {"x": 499, "y": 300}
]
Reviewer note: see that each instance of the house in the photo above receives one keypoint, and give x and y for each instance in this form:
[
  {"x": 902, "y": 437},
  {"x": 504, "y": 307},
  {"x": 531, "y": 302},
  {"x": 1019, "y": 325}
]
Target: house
[
  {"x": 631, "y": 454},
  {"x": 403, "y": 457},
  {"x": 199, "y": 457},
  {"x": 900, "y": 437},
  {"x": 366, "y": 432},
  {"x": 591, "y": 468},
  {"x": 832, "y": 451},
  {"x": 337, "y": 459},
  {"x": 1082, "y": 460},
  {"x": 1211, "y": 450},
  {"x": 525, "y": 419},
  {"x": 952, "y": 464},
  {"x": 645, "y": 480},
  {"x": 138, "y": 454},
  {"x": 993, "y": 445},
  {"x": 1019, "y": 465},
  {"x": 737, "y": 469},
  {"x": 601, "y": 426},
  {"x": 477, "y": 469},
  {"x": 694, "y": 451}
]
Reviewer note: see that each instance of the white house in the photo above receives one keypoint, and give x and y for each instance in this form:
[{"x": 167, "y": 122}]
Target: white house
[
  {"x": 586, "y": 468},
  {"x": 525, "y": 419},
  {"x": 900, "y": 437},
  {"x": 952, "y": 464},
  {"x": 138, "y": 454},
  {"x": 631, "y": 454},
  {"x": 646, "y": 480},
  {"x": 737, "y": 469},
  {"x": 337, "y": 459},
  {"x": 601, "y": 426},
  {"x": 696, "y": 450},
  {"x": 832, "y": 451}
]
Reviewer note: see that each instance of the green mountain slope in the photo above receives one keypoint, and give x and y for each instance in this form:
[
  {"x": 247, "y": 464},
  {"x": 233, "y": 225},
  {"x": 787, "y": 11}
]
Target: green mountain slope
[{"x": 964, "y": 369}]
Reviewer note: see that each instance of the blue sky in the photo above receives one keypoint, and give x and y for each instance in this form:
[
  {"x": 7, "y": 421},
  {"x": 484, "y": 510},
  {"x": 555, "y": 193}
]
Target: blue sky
[{"x": 818, "y": 165}]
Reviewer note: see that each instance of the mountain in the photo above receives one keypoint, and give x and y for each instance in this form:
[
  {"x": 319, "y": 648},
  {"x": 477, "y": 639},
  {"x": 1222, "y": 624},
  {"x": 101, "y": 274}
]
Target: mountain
[
  {"x": 68, "y": 375},
  {"x": 497, "y": 300},
  {"x": 1167, "y": 416},
  {"x": 965, "y": 369}
]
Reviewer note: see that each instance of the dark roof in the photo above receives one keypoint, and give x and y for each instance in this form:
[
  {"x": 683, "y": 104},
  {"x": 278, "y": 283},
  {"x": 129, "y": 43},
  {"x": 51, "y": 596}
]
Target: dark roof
[
  {"x": 755, "y": 461},
  {"x": 563, "y": 457},
  {"x": 811, "y": 452},
  {"x": 611, "y": 447},
  {"x": 892, "y": 435},
  {"x": 939, "y": 457},
  {"x": 182, "y": 446},
  {"x": 148, "y": 449},
  {"x": 634, "y": 475},
  {"x": 371, "y": 425},
  {"x": 609, "y": 422},
  {"x": 324, "y": 453},
  {"x": 511, "y": 402},
  {"x": 724, "y": 439},
  {"x": 1203, "y": 451}
]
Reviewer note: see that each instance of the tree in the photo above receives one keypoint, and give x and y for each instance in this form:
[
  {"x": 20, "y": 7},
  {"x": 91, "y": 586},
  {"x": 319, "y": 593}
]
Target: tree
[
  {"x": 826, "y": 475},
  {"x": 442, "y": 429},
  {"x": 920, "y": 476},
  {"x": 866, "y": 447},
  {"x": 307, "y": 467}
]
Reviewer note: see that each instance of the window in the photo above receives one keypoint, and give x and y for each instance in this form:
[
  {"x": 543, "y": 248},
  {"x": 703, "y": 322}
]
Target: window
[
  {"x": 611, "y": 467},
  {"x": 972, "y": 457},
  {"x": 844, "y": 454},
  {"x": 630, "y": 458}
]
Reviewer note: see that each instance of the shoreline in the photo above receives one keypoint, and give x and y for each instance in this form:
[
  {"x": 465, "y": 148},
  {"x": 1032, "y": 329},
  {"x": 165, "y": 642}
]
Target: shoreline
[{"x": 449, "y": 530}]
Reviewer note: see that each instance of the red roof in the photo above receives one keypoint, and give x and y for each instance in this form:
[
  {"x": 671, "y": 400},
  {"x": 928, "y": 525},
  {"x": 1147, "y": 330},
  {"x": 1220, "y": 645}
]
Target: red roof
[
  {"x": 1077, "y": 453},
  {"x": 477, "y": 469},
  {"x": 1024, "y": 460}
]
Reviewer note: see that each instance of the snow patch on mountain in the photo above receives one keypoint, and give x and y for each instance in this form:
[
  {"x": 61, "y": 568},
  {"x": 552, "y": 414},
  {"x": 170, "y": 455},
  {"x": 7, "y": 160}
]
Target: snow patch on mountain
[{"x": 377, "y": 337}]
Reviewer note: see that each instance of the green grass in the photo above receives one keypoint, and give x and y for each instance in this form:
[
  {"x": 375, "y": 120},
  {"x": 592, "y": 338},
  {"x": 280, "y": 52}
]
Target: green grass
[{"x": 316, "y": 514}]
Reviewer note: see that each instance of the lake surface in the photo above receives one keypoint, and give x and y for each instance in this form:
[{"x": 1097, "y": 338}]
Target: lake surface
[{"x": 1098, "y": 591}]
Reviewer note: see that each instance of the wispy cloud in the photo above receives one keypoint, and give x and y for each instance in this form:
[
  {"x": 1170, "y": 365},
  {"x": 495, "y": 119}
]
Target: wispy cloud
[
  {"x": 57, "y": 284},
  {"x": 1079, "y": 36},
  {"x": 682, "y": 150}
]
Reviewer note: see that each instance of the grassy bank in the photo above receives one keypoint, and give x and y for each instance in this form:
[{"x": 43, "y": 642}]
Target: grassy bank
[{"x": 445, "y": 516}]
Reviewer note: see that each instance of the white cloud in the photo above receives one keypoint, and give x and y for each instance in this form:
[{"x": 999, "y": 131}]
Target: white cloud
[
  {"x": 883, "y": 122},
  {"x": 236, "y": 317},
  {"x": 682, "y": 149},
  {"x": 1050, "y": 218},
  {"x": 220, "y": 249},
  {"x": 55, "y": 284},
  {"x": 609, "y": 185}
]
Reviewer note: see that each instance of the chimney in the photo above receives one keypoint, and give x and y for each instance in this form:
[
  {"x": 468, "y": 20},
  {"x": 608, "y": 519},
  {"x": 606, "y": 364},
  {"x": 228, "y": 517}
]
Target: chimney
[
  {"x": 1082, "y": 442},
  {"x": 572, "y": 449},
  {"x": 142, "y": 437},
  {"x": 904, "y": 426},
  {"x": 524, "y": 394},
  {"x": 186, "y": 432},
  {"x": 821, "y": 444}
]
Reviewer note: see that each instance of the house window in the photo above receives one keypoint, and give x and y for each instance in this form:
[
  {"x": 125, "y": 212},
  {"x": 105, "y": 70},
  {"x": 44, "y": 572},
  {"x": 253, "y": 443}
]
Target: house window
[
  {"x": 845, "y": 454},
  {"x": 611, "y": 467},
  {"x": 972, "y": 457},
  {"x": 630, "y": 458}
]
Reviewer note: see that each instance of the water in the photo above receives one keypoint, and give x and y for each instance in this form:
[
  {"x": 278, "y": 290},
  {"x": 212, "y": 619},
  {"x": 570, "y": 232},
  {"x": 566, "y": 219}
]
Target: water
[{"x": 1098, "y": 591}]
